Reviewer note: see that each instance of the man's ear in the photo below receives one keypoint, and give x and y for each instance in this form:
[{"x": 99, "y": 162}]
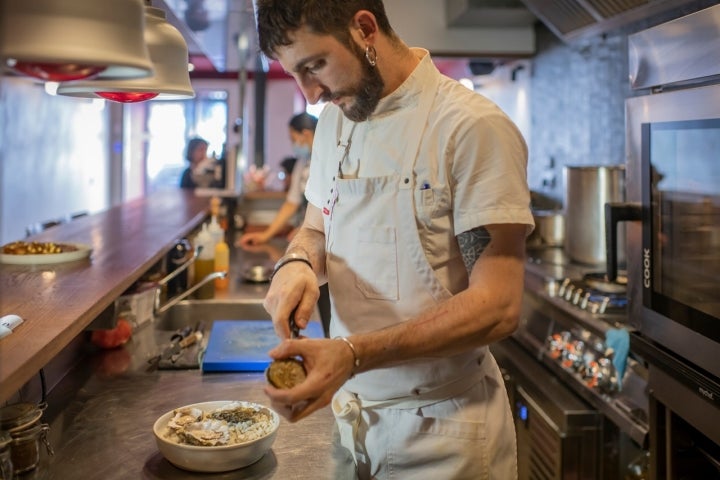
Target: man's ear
[{"x": 366, "y": 25}]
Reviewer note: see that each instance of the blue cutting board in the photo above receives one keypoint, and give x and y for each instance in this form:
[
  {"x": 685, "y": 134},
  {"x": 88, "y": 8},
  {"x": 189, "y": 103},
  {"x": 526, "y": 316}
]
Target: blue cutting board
[{"x": 242, "y": 345}]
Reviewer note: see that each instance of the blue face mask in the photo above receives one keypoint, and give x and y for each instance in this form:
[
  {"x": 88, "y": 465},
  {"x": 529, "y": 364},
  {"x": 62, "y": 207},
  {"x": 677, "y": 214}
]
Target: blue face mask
[{"x": 301, "y": 151}]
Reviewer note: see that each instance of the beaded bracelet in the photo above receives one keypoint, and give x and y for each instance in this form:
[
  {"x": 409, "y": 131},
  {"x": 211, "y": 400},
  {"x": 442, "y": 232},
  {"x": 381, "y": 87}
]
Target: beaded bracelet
[{"x": 356, "y": 359}]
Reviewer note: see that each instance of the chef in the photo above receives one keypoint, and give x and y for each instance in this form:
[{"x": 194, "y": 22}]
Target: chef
[{"x": 417, "y": 217}]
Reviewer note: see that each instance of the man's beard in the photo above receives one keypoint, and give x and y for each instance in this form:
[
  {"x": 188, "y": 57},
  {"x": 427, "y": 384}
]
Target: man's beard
[{"x": 366, "y": 93}]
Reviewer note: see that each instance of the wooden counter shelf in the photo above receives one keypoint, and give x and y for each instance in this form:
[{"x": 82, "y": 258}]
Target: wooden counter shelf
[{"x": 58, "y": 301}]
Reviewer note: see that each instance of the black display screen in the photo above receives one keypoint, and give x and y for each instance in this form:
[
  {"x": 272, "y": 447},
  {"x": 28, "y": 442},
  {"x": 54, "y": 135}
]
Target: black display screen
[{"x": 682, "y": 188}]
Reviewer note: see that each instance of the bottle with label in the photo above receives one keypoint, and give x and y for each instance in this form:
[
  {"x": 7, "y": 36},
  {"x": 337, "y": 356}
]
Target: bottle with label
[
  {"x": 205, "y": 263},
  {"x": 222, "y": 264}
]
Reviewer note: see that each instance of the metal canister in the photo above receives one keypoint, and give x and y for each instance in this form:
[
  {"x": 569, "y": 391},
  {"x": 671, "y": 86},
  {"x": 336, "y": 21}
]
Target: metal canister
[
  {"x": 6, "y": 466},
  {"x": 22, "y": 422}
]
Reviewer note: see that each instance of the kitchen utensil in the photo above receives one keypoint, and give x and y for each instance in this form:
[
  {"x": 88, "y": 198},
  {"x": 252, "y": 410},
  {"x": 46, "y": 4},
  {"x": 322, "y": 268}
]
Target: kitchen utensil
[
  {"x": 242, "y": 345},
  {"x": 587, "y": 190},
  {"x": 219, "y": 458},
  {"x": 179, "y": 340},
  {"x": 294, "y": 329}
]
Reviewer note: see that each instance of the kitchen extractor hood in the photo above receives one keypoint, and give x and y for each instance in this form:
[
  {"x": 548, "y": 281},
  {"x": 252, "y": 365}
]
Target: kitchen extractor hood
[
  {"x": 221, "y": 32},
  {"x": 574, "y": 19},
  {"x": 488, "y": 13}
]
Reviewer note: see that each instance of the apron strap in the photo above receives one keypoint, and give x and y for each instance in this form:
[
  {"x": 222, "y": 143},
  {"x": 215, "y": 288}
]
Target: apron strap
[{"x": 420, "y": 118}]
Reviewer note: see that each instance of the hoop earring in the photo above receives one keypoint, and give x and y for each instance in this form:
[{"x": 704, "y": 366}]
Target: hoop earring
[{"x": 371, "y": 55}]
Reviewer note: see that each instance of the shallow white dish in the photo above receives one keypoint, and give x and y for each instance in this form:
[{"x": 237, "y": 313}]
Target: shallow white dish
[
  {"x": 83, "y": 251},
  {"x": 219, "y": 458}
]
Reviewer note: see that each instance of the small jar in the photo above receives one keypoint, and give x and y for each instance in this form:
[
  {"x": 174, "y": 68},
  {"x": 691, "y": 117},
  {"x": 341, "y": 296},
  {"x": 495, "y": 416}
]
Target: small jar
[
  {"x": 6, "y": 466},
  {"x": 22, "y": 422}
]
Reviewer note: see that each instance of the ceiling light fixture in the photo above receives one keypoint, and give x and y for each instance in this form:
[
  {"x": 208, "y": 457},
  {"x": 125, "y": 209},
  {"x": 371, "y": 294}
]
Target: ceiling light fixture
[
  {"x": 69, "y": 40},
  {"x": 170, "y": 80}
]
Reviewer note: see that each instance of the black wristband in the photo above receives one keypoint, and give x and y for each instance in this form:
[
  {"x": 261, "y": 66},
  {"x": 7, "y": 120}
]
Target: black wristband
[{"x": 292, "y": 257}]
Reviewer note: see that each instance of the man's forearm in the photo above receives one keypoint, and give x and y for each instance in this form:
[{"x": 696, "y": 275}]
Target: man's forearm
[{"x": 310, "y": 242}]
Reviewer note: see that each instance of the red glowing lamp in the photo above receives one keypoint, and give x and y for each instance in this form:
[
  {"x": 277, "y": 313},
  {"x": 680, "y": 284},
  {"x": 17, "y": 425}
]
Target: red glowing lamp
[
  {"x": 58, "y": 72},
  {"x": 170, "y": 78},
  {"x": 74, "y": 40},
  {"x": 127, "y": 97}
]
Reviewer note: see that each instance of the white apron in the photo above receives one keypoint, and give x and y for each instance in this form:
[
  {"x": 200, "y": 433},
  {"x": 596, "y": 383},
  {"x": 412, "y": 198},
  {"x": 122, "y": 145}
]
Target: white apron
[{"x": 452, "y": 411}]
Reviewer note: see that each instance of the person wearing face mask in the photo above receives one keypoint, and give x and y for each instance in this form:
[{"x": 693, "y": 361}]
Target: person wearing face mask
[{"x": 302, "y": 132}]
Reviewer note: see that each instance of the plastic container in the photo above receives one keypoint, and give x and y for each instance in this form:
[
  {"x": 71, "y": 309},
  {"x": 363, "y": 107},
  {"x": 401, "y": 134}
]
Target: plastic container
[
  {"x": 205, "y": 263},
  {"x": 222, "y": 264}
]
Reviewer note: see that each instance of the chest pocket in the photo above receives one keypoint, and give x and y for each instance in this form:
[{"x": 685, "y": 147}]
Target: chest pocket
[
  {"x": 431, "y": 204},
  {"x": 376, "y": 263}
]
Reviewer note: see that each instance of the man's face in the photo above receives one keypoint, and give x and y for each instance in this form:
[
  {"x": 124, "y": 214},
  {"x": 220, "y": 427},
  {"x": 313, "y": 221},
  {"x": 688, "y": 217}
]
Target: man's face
[{"x": 329, "y": 71}]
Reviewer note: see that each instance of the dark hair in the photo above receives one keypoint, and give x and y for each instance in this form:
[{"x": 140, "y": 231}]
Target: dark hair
[
  {"x": 288, "y": 163},
  {"x": 303, "y": 121},
  {"x": 277, "y": 19},
  {"x": 192, "y": 145}
]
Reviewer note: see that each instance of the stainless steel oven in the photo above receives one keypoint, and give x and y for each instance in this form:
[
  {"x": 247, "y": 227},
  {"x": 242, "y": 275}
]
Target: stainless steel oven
[
  {"x": 673, "y": 171},
  {"x": 673, "y": 242}
]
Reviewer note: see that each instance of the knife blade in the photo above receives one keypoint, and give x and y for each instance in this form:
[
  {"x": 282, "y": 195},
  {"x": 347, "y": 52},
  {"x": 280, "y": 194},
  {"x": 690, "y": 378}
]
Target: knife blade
[{"x": 294, "y": 329}]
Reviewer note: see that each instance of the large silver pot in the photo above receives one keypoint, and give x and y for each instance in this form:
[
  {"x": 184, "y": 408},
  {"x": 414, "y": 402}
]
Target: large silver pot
[{"x": 587, "y": 190}]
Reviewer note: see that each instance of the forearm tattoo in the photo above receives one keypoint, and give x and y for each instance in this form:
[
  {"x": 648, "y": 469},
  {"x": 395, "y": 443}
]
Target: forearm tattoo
[{"x": 472, "y": 243}]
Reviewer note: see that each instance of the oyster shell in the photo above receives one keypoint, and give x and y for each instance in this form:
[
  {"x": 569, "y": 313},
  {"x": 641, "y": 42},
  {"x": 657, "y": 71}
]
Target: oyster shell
[
  {"x": 207, "y": 433},
  {"x": 285, "y": 373},
  {"x": 185, "y": 416},
  {"x": 234, "y": 413}
]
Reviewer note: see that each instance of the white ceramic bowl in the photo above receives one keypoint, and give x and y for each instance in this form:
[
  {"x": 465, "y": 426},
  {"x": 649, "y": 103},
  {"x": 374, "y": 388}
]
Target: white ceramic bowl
[{"x": 214, "y": 459}]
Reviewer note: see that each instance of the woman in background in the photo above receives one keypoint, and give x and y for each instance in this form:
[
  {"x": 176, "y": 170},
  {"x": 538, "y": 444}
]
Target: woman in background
[
  {"x": 302, "y": 132},
  {"x": 200, "y": 172}
]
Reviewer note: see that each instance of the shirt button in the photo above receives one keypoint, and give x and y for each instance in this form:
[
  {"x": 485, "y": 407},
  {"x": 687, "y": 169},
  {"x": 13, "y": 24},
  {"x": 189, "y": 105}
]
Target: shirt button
[{"x": 406, "y": 181}]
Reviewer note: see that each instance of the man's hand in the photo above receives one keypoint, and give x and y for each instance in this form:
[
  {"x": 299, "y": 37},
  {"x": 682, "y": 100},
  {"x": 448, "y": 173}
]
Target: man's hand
[{"x": 328, "y": 364}]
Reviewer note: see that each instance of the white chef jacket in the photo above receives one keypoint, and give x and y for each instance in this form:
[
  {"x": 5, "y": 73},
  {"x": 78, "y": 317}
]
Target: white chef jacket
[
  {"x": 472, "y": 159},
  {"x": 385, "y": 265}
]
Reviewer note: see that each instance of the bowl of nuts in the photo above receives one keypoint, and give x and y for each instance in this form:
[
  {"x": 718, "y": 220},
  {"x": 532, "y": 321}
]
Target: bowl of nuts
[{"x": 38, "y": 253}]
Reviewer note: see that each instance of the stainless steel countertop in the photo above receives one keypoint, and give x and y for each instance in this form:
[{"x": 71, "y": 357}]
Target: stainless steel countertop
[
  {"x": 101, "y": 414},
  {"x": 104, "y": 430}
]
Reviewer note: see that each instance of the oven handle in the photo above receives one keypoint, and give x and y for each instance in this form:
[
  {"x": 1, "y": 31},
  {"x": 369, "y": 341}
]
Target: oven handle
[{"x": 614, "y": 213}]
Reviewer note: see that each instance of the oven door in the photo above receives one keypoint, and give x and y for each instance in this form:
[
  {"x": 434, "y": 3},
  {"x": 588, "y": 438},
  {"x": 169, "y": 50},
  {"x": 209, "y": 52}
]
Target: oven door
[{"x": 674, "y": 254}]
